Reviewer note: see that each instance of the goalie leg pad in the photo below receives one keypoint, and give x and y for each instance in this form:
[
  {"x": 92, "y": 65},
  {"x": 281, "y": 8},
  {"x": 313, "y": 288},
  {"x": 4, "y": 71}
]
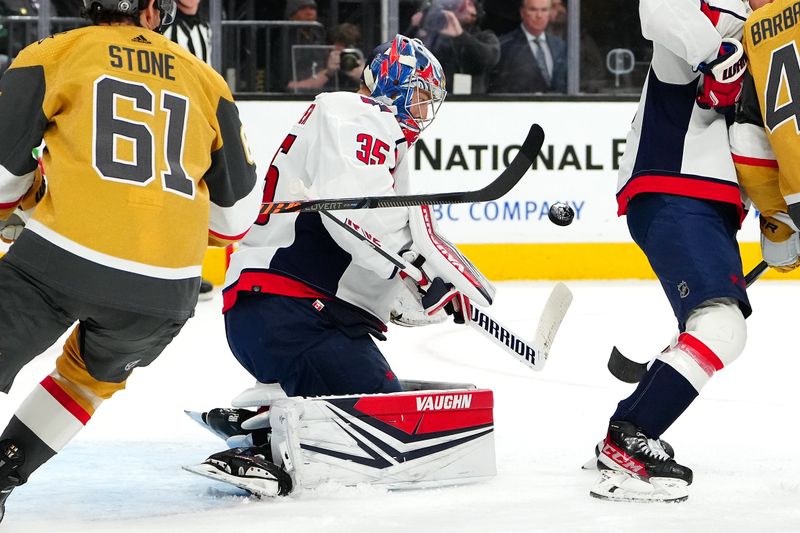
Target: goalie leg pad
[
  {"x": 399, "y": 440},
  {"x": 715, "y": 336}
]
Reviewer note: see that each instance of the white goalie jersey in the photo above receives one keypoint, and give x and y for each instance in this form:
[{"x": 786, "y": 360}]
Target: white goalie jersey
[{"x": 345, "y": 145}]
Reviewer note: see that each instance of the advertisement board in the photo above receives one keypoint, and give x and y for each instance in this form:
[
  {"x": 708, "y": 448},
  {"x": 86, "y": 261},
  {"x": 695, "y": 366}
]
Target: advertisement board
[{"x": 470, "y": 143}]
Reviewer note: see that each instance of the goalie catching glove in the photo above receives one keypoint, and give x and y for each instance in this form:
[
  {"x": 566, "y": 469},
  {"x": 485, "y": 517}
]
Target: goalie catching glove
[
  {"x": 427, "y": 301},
  {"x": 780, "y": 244},
  {"x": 723, "y": 77},
  {"x": 450, "y": 281}
]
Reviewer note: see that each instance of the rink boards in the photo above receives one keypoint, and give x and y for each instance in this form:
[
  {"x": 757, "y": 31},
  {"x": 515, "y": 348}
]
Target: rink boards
[{"x": 469, "y": 143}]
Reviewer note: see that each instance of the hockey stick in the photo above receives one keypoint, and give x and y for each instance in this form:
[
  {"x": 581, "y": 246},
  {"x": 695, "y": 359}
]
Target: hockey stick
[
  {"x": 629, "y": 371},
  {"x": 501, "y": 185},
  {"x": 532, "y": 355}
]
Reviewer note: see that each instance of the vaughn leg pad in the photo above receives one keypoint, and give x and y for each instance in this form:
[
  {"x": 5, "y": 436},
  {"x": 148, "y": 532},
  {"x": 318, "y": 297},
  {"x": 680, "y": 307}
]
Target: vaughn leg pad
[{"x": 399, "y": 440}]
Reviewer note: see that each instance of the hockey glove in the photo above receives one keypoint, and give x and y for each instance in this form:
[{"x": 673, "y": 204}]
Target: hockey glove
[
  {"x": 434, "y": 296},
  {"x": 11, "y": 228},
  {"x": 780, "y": 245},
  {"x": 723, "y": 77},
  {"x": 407, "y": 310}
]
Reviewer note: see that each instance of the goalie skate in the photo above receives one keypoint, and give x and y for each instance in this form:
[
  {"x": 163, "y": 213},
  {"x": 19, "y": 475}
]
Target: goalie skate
[{"x": 246, "y": 468}]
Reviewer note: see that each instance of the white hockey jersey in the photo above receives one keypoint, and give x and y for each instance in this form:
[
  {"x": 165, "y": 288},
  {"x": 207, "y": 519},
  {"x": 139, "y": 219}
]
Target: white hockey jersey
[
  {"x": 674, "y": 146},
  {"x": 345, "y": 145}
]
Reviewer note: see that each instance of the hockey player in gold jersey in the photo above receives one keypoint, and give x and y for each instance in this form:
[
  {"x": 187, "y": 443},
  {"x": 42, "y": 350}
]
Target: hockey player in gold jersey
[
  {"x": 146, "y": 164},
  {"x": 765, "y": 139}
]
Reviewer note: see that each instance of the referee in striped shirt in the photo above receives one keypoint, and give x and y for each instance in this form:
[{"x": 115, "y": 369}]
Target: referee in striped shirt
[{"x": 191, "y": 29}]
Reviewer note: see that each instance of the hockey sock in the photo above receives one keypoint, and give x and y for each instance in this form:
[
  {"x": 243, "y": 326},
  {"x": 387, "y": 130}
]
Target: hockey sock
[
  {"x": 662, "y": 396},
  {"x": 46, "y": 421}
]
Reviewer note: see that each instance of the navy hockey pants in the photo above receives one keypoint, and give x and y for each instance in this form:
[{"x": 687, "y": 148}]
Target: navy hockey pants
[
  {"x": 691, "y": 245},
  {"x": 285, "y": 340}
]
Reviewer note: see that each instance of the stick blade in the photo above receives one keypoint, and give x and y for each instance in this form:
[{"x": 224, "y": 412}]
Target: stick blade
[
  {"x": 533, "y": 142},
  {"x": 553, "y": 314},
  {"x": 625, "y": 369}
]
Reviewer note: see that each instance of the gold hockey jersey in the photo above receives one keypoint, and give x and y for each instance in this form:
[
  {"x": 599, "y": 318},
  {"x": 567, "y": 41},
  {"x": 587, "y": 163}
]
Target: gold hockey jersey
[
  {"x": 766, "y": 138},
  {"x": 145, "y": 160}
]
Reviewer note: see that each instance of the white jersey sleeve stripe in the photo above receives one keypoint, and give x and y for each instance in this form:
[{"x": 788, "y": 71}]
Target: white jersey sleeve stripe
[{"x": 111, "y": 261}]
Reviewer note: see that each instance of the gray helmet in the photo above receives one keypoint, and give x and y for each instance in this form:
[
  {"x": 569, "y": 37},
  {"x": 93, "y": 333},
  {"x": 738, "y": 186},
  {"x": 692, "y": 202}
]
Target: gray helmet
[{"x": 131, "y": 8}]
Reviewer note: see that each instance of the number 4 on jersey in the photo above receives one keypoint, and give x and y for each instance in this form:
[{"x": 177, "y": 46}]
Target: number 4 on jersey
[{"x": 783, "y": 80}]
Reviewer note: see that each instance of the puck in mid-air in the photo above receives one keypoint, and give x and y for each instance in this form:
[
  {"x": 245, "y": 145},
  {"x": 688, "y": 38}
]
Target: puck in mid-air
[{"x": 561, "y": 214}]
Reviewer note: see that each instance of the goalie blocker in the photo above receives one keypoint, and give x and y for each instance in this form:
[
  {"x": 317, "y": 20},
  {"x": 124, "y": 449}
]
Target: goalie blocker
[{"x": 402, "y": 440}]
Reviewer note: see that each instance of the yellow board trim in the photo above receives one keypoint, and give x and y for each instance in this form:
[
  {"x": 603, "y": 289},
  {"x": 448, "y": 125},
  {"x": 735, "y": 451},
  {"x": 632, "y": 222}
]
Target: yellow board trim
[
  {"x": 546, "y": 261},
  {"x": 214, "y": 265},
  {"x": 580, "y": 261}
]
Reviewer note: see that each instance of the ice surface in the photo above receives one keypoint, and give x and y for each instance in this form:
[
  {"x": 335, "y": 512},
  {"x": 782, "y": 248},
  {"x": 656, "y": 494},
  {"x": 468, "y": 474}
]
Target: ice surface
[{"x": 122, "y": 473}]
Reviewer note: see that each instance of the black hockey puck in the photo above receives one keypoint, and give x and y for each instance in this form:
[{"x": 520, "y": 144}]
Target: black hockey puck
[{"x": 561, "y": 214}]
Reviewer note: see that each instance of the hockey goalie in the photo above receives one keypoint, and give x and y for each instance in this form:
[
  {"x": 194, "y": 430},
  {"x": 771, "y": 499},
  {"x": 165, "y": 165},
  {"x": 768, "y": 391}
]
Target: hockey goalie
[{"x": 304, "y": 300}]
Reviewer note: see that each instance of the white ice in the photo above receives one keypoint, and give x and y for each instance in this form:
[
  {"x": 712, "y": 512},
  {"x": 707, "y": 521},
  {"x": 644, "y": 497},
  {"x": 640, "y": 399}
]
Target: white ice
[{"x": 122, "y": 473}]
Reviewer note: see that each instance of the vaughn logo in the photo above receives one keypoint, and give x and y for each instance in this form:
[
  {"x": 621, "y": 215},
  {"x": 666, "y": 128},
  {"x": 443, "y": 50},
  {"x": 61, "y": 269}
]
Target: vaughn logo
[{"x": 448, "y": 401}]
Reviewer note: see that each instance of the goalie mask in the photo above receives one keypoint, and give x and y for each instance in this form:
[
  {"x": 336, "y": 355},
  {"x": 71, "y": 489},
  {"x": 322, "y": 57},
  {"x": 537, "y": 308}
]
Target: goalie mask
[
  {"x": 406, "y": 76},
  {"x": 130, "y": 8}
]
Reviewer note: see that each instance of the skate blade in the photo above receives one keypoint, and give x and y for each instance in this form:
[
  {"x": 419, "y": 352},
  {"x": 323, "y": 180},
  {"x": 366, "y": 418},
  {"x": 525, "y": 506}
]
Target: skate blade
[
  {"x": 197, "y": 416},
  {"x": 259, "y": 487},
  {"x": 591, "y": 464},
  {"x": 619, "y": 486}
]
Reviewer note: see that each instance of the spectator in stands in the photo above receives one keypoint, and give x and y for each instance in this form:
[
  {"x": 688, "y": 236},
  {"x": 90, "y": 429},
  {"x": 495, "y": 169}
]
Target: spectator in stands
[
  {"x": 532, "y": 60},
  {"x": 191, "y": 29},
  {"x": 450, "y": 29},
  {"x": 287, "y": 77},
  {"x": 558, "y": 19},
  {"x": 343, "y": 67}
]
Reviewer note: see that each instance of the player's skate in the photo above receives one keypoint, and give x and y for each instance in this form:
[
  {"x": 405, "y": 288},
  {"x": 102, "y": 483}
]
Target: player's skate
[
  {"x": 11, "y": 458},
  {"x": 248, "y": 469},
  {"x": 591, "y": 464},
  {"x": 636, "y": 468}
]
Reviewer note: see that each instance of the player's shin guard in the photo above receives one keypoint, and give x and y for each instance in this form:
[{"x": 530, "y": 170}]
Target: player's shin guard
[
  {"x": 46, "y": 421},
  {"x": 42, "y": 425},
  {"x": 715, "y": 336}
]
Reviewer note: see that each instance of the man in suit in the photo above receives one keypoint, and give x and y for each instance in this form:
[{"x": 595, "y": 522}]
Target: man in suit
[{"x": 531, "y": 59}]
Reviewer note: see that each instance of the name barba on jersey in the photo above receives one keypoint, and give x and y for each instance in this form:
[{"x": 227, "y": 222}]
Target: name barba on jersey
[
  {"x": 770, "y": 27},
  {"x": 435, "y": 156}
]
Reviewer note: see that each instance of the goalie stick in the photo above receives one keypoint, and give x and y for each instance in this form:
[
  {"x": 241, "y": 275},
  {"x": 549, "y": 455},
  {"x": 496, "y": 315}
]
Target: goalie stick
[
  {"x": 630, "y": 371},
  {"x": 501, "y": 185},
  {"x": 533, "y": 355}
]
